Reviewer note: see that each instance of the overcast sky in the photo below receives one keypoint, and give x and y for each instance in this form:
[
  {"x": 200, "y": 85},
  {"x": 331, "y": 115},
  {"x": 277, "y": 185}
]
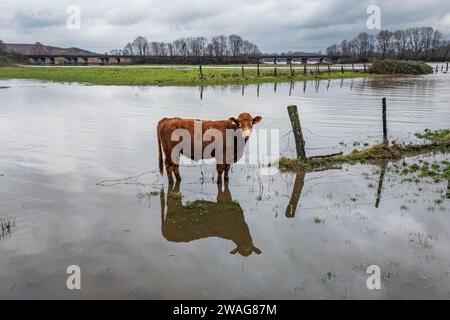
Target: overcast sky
[{"x": 274, "y": 25}]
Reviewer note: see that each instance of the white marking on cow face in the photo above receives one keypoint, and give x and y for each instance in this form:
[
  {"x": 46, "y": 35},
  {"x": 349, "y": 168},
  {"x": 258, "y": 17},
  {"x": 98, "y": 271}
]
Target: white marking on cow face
[{"x": 246, "y": 133}]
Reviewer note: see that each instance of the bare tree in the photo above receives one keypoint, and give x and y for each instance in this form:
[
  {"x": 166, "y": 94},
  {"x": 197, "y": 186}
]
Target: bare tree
[
  {"x": 400, "y": 43},
  {"x": 154, "y": 48},
  {"x": 140, "y": 46},
  {"x": 426, "y": 33},
  {"x": 128, "y": 49},
  {"x": 334, "y": 50},
  {"x": 116, "y": 52},
  {"x": 219, "y": 46},
  {"x": 384, "y": 42},
  {"x": 180, "y": 47},
  {"x": 435, "y": 43},
  {"x": 209, "y": 50},
  {"x": 415, "y": 41},
  {"x": 235, "y": 43},
  {"x": 170, "y": 49}
]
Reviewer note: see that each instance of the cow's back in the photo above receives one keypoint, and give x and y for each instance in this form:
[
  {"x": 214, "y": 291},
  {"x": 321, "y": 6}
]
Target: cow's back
[{"x": 167, "y": 126}]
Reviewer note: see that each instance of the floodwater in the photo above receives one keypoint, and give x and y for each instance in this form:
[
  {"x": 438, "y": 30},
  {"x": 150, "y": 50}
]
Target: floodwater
[{"x": 79, "y": 186}]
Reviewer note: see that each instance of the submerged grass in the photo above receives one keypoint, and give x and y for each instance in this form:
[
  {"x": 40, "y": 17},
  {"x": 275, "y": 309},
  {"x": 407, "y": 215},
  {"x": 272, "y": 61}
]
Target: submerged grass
[
  {"x": 435, "y": 136},
  {"x": 378, "y": 153},
  {"x": 164, "y": 76}
]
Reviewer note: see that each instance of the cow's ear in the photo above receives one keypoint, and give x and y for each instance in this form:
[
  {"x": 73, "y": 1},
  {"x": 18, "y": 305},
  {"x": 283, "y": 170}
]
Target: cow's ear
[
  {"x": 234, "y": 251},
  {"x": 257, "y": 119},
  {"x": 234, "y": 121}
]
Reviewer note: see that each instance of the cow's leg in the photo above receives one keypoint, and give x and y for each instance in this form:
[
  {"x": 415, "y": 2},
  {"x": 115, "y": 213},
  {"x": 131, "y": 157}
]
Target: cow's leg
[
  {"x": 227, "y": 169},
  {"x": 224, "y": 195},
  {"x": 220, "y": 168},
  {"x": 169, "y": 170},
  {"x": 176, "y": 170}
]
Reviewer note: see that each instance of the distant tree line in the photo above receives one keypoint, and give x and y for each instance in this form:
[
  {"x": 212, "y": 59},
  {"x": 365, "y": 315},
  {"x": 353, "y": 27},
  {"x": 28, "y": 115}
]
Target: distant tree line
[
  {"x": 219, "y": 46},
  {"x": 420, "y": 43}
]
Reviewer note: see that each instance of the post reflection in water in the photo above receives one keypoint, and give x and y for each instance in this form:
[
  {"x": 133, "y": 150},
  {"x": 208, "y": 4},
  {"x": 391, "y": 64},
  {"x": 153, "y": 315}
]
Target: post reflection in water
[
  {"x": 296, "y": 193},
  {"x": 204, "y": 219},
  {"x": 383, "y": 167}
]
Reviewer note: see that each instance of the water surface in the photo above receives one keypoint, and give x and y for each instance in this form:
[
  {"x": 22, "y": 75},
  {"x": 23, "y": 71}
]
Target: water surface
[{"x": 78, "y": 174}]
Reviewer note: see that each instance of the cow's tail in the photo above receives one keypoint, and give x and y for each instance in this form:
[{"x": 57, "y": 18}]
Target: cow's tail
[{"x": 160, "y": 157}]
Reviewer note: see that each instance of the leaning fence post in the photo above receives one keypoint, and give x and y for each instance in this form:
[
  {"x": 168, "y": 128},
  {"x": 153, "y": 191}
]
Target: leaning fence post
[
  {"x": 446, "y": 69},
  {"x": 257, "y": 67},
  {"x": 201, "y": 72},
  {"x": 297, "y": 129},
  {"x": 385, "y": 139},
  {"x": 329, "y": 70},
  {"x": 275, "y": 72},
  {"x": 243, "y": 74},
  {"x": 342, "y": 68},
  {"x": 290, "y": 66}
]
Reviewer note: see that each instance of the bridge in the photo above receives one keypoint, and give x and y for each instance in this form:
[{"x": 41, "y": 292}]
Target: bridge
[
  {"x": 303, "y": 59},
  {"x": 97, "y": 59},
  {"x": 52, "y": 59}
]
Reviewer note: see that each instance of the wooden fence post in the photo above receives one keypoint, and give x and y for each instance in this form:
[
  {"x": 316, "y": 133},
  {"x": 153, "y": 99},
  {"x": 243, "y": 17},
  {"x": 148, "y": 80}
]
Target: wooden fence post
[
  {"x": 243, "y": 74},
  {"x": 304, "y": 69},
  {"x": 329, "y": 70},
  {"x": 385, "y": 138},
  {"x": 342, "y": 68},
  {"x": 257, "y": 67},
  {"x": 292, "y": 71},
  {"x": 201, "y": 72},
  {"x": 365, "y": 67},
  {"x": 297, "y": 129},
  {"x": 275, "y": 72},
  {"x": 447, "y": 67},
  {"x": 353, "y": 67}
]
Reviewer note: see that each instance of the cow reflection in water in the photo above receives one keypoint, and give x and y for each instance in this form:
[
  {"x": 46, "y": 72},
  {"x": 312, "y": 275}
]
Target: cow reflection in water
[{"x": 203, "y": 219}]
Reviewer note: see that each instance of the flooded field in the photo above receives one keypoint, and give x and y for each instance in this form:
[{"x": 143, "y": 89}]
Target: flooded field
[{"x": 79, "y": 186}]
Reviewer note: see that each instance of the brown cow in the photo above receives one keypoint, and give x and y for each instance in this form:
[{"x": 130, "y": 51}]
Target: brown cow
[{"x": 241, "y": 128}]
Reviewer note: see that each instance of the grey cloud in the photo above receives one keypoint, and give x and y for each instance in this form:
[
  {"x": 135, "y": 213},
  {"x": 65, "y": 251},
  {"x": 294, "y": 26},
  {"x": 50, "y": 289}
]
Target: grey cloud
[{"x": 275, "y": 25}]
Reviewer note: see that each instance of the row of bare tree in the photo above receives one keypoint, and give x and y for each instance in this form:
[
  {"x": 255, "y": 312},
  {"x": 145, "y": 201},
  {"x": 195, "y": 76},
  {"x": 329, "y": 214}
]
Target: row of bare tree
[
  {"x": 219, "y": 46},
  {"x": 420, "y": 43}
]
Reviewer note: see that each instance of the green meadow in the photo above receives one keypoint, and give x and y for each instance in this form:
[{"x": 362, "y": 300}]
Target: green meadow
[{"x": 153, "y": 76}]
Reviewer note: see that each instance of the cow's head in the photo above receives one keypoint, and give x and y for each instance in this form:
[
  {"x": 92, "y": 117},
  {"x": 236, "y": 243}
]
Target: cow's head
[
  {"x": 245, "y": 123},
  {"x": 245, "y": 251}
]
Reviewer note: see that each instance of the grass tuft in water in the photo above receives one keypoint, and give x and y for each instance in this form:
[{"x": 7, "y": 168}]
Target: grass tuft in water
[{"x": 378, "y": 153}]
